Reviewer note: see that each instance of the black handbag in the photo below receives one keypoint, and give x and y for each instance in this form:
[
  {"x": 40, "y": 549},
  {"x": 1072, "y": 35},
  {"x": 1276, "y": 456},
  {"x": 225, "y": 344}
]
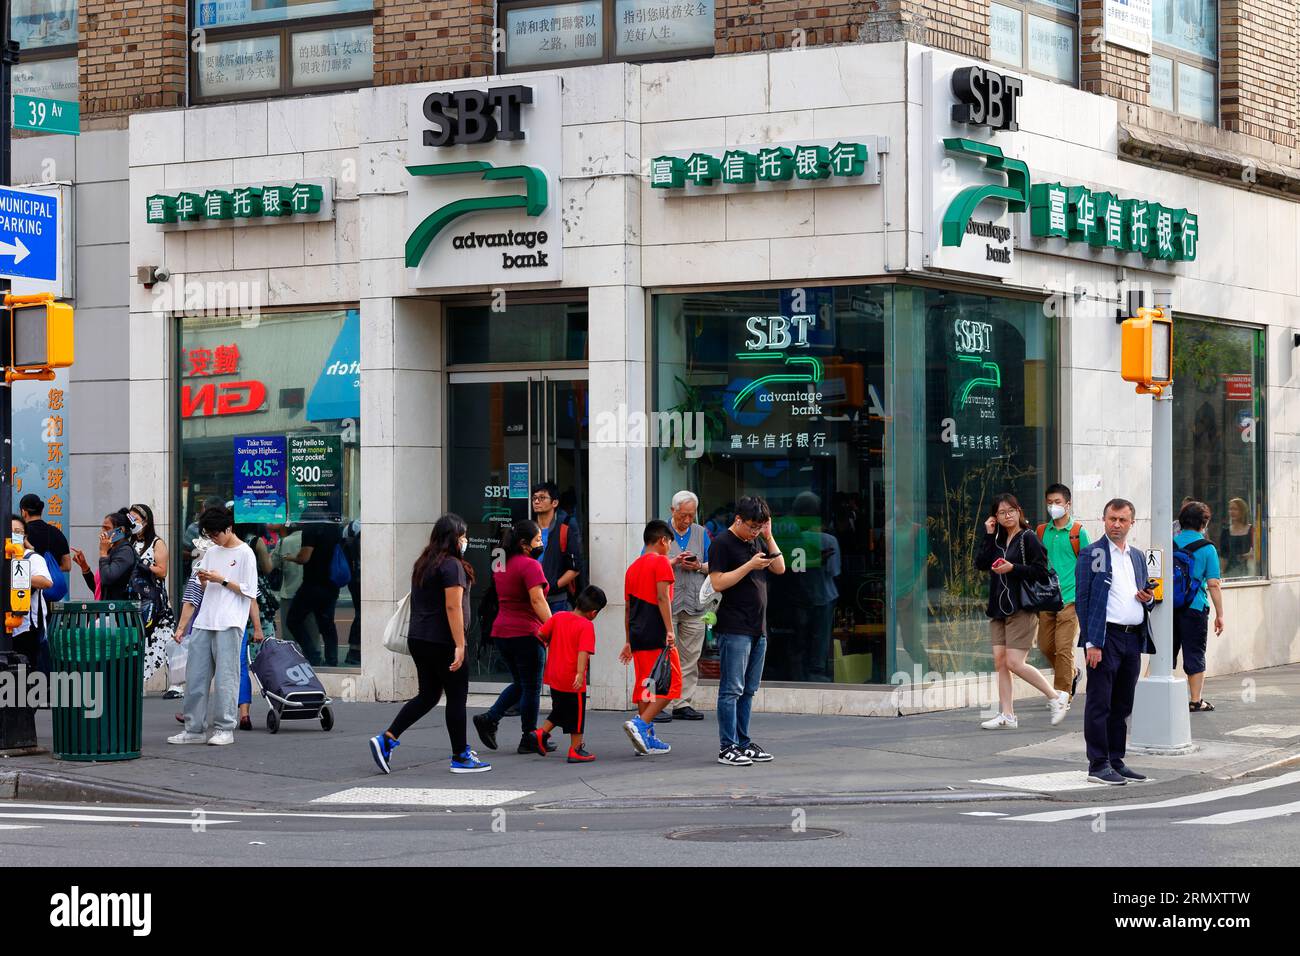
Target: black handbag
[
  {"x": 660, "y": 680},
  {"x": 1039, "y": 595}
]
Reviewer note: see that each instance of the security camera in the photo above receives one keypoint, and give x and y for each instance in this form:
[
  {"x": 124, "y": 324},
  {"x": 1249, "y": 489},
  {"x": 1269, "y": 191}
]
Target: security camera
[{"x": 148, "y": 276}]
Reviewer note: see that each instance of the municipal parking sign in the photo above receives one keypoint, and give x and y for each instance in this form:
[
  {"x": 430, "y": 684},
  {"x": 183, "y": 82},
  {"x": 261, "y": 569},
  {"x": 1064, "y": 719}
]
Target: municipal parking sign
[{"x": 29, "y": 234}]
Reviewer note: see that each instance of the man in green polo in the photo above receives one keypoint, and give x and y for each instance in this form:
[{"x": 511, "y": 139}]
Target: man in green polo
[{"x": 1058, "y": 631}]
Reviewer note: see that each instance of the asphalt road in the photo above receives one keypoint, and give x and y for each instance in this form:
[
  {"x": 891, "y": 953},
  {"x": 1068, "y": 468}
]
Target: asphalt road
[{"x": 1251, "y": 822}]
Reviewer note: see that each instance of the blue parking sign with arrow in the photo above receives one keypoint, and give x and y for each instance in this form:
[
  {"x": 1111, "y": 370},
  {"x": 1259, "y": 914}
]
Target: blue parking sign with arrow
[{"x": 29, "y": 234}]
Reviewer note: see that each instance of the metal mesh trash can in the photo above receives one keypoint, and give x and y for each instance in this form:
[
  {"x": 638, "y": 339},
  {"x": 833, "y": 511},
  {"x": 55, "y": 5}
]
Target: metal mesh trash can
[{"x": 97, "y": 661}]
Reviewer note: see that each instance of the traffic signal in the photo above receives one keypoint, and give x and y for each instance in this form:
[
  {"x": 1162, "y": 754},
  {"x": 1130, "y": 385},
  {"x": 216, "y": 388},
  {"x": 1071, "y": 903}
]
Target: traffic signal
[
  {"x": 40, "y": 331},
  {"x": 1147, "y": 350}
]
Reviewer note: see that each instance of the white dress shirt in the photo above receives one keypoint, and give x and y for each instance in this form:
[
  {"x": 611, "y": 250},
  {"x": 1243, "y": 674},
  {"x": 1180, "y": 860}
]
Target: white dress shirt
[{"x": 1122, "y": 605}]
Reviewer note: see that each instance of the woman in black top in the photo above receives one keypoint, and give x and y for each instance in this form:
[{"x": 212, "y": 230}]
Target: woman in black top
[
  {"x": 1013, "y": 555},
  {"x": 440, "y": 586},
  {"x": 116, "y": 557}
]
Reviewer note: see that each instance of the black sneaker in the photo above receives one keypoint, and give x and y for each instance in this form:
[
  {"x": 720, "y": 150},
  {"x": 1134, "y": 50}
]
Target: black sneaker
[
  {"x": 1074, "y": 683},
  {"x": 487, "y": 730},
  {"x": 1106, "y": 775},
  {"x": 756, "y": 753},
  {"x": 687, "y": 713},
  {"x": 1128, "y": 774},
  {"x": 550, "y": 747},
  {"x": 734, "y": 757}
]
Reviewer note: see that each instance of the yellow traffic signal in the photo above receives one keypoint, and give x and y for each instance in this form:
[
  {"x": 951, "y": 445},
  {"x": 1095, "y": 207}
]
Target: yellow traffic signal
[
  {"x": 41, "y": 332},
  {"x": 1147, "y": 350}
]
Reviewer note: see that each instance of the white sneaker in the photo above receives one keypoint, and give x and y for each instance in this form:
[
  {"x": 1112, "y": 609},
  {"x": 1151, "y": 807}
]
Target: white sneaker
[
  {"x": 221, "y": 738},
  {"x": 187, "y": 738},
  {"x": 1002, "y": 722},
  {"x": 1060, "y": 707}
]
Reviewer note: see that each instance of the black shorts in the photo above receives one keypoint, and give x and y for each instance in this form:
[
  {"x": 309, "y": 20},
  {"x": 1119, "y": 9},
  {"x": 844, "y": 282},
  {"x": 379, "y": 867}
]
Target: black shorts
[
  {"x": 568, "y": 711},
  {"x": 1191, "y": 634}
]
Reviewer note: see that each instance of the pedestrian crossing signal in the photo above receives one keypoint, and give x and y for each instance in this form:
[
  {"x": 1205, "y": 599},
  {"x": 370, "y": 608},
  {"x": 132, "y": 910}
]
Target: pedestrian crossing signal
[
  {"x": 40, "y": 332},
  {"x": 1147, "y": 350}
]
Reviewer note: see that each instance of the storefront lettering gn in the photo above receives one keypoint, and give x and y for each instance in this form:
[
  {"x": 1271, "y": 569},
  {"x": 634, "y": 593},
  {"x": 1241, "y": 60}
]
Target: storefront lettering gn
[
  {"x": 491, "y": 153},
  {"x": 218, "y": 398}
]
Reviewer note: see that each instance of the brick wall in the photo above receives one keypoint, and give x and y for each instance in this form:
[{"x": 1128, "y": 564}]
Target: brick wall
[
  {"x": 745, "y": 26},
  {"x": 1106, "y": 69},
  {"x": 416, "y": 40},
  {"x": 1257, "y": 69},
  {"x": 131, "y": 55}
]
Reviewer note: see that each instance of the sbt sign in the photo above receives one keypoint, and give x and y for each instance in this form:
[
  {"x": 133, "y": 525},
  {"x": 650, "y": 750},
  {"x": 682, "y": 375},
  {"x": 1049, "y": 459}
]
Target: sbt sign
[{"x": 778, "y": 331}]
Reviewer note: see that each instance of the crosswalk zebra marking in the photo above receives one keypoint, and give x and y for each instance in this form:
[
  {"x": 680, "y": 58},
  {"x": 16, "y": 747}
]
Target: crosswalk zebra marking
[
  {"x": 1240, "y": 790},
  {"x": 1246, "y": 816}
]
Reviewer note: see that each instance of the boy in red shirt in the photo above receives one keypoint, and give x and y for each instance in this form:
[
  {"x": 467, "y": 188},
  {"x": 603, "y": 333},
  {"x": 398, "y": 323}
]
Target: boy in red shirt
[
  {"x": 571, "y": 640},
  {"x": 648, "y": 620}
]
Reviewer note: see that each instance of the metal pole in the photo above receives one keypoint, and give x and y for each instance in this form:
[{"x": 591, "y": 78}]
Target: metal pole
[
  {"x": 1161, "y": 721},
  {"x": 8, "y": 57}
]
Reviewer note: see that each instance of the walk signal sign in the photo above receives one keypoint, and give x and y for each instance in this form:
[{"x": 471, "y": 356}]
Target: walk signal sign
[
  {"x": 1147, "y": 350},
  {"x": 41, "y": 335}
]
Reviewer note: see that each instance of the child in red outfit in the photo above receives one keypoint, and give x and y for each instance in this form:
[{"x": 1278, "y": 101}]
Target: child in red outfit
[{"x": 571, "y": 640}]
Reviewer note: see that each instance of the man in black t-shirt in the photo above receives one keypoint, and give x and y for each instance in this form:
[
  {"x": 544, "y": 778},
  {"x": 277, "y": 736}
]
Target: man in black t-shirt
[
  {"x": 42, "y": 536},
  {"x": 740, "y": 560},
  {"x": 318, "y": 595}
]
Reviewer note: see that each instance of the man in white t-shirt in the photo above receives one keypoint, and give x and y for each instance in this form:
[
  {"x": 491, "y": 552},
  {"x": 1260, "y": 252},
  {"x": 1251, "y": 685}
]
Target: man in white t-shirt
[{"x": 228, "y": 571}]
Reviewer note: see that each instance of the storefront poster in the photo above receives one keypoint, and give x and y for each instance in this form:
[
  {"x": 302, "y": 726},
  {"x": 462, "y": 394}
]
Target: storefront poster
[
  {"x": 324, "y": 57},
  {"x": 556, "y": 33},
  {"x": 337, "y": 393},
  {"x": 518, "y": 480},
  {"x": 315, "y": 486},
  {"x": 41, "y": 455},
  {"x": 231, "y": 67},
  {"x": 657, "y": 27},
  {"x": 260, "y": 491},
  {"x": 1239, "y": 387},
  {"x": 1128, "y": 24}
]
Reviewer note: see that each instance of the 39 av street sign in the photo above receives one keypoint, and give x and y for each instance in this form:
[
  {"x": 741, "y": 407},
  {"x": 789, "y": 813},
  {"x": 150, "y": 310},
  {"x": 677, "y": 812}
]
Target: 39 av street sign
[
  {"x": 29, "y": 234},
  {"x": 47, "y": 116}
]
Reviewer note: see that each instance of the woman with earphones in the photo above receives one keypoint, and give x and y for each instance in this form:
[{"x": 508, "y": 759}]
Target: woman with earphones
[{"x": 1013, "y": 555}]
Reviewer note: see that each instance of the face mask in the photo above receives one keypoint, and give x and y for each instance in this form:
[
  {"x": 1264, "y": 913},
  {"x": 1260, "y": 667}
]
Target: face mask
[
  {"x": 1056, "y": 511},
  {"x": 536, "y": 552},
  {"x": 136, "y": 525},
  {"x": 463, "y": 545}
]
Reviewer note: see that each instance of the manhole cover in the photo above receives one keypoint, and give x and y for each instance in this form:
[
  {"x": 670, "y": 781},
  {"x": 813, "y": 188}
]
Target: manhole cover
[{"x": 778, "y": 834}]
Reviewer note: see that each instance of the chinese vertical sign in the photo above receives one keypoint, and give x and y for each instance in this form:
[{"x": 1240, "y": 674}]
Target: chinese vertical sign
[{"x": 41, "y": 459}]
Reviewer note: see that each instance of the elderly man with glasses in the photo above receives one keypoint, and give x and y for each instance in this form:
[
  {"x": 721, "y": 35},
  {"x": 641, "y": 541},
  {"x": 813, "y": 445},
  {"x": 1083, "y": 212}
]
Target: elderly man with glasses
[{"x": 688, "y": 552}]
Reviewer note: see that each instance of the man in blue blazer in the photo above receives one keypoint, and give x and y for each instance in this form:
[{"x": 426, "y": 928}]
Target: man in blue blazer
[{"x": 1112, "y": 602}]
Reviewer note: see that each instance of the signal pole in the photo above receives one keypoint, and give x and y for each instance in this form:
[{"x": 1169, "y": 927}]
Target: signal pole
[{"x": 8, "y": 57}]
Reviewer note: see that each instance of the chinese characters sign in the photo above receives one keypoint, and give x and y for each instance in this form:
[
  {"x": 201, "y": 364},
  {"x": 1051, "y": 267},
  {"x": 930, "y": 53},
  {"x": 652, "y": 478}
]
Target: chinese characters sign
[
  {"x": 1128, "y": 24},
  {"x": 779, "y": 166},
  {"x": 555, "y": 33},
  {"x": 218, "y": 398},
  {"x": 1103, "y": 220},
  {"x": 650, "y": 27},
  {"x": 312, "y": 201},
  {"x": 42, "y": 463}
]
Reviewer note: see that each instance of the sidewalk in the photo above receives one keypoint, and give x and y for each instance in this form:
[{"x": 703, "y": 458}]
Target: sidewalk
[{"x": 842, "y": 760}]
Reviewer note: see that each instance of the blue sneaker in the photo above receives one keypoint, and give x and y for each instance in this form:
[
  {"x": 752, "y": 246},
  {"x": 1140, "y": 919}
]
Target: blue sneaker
[
  {"x": 381, "y": 748},
  {"x": 468, "y": 762},
  {"x": 654, "y": 745},
  {"x": 638, "y": 731}
]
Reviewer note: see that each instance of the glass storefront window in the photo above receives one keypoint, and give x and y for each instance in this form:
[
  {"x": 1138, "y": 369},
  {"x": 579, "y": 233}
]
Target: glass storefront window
[
  {"x": 55, "y": 79},
  {"x": 235, "y": 67},
  {"x": 328, "y": 57},
  {"x": 877, "y": 421},
  {"x": 1188, "y": 25},
  {"x": 227, "y": 13},
  {"x": 1036, "y": 35},
  {"x": 1005, "y": 45},
  {"x": 1197, "y": 96},
  {"x": 1219, "y": 431},
  {"x": 1185, "y": 60},
  {"x": 46, "y": 31},
  {"x": 1162, "y": 83},
  {"x": 539, "y": 332},
  {"x": 37, "y": 24},
  {"x": 270, "y": 418}
]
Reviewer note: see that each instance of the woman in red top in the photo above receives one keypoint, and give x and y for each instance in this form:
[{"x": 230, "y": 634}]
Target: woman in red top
[{"x": 522, "y": 610}]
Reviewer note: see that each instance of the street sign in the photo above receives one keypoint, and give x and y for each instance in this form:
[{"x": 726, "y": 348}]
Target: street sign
[
  {"x": 47, "y": 116},
  {"x": 29, "y": 234}
]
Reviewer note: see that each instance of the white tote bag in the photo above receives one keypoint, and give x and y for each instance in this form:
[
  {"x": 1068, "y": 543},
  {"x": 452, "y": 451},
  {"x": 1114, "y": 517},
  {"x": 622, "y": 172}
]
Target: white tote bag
[
  {"x": 710, "y": 599},
  {"x": 399, "y": 628}
]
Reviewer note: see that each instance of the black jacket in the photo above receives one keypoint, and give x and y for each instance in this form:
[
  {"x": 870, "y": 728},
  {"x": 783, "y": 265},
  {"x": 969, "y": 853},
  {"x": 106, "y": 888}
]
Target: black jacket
[
  {"x": 1029, "y": 560},
  {"x": 115, "y": 570},
  {"x": 556, "y": 561}
]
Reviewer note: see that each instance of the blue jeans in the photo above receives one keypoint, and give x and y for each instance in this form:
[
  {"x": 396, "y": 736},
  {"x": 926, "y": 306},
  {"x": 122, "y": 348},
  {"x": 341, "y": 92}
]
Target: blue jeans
[
  {"x": 212, "y": 655},
  {"x": 245, "y": 685},
  {"x": 524, "y": 657},
  {"x": 741, "y": 664}
]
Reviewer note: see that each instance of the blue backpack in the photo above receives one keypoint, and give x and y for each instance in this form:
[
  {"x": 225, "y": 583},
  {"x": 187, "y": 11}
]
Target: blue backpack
[
  {"x": 58, "y": 588},
  {"x": 340, "y": 568},
  {"x": 1186, "y": 585}
]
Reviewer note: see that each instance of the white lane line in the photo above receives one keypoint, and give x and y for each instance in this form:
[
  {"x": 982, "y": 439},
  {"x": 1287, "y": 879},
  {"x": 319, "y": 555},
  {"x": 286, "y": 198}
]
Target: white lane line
[
  {"x": 1241, "y": 790},
  {"x": 15, "y": 826},
  {"x": 1246, "y": 816},
  {"x": 982, "y": 813},
  {"x": 214, "y": 812},
  {"x": 423, "y": 797},
  {"x": 96, "y": 818}
]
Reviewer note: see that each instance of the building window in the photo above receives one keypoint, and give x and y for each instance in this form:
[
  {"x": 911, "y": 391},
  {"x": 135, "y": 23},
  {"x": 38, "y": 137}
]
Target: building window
[
  {"x": 264, "y": 49},
  {"x": 1219, "y": 432},
  {"x": 1039, "y": 38},
  {"x": 46, "y": 31},
  {"x": 271, "y": 420},
  {"x": 878, "y": 421},
  {"x": 541, "y": 34},
  {"x": 1185, "y": 58}
]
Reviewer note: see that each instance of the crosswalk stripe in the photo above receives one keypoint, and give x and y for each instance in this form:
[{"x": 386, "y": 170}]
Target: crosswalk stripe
[
  {"x": 1241, "y": 790},
  {"x": 1245, "y": 816},
  {"x": 16, "y": 826},
  {"x": 982, "y": 813},
  {"x": 358, "y": 815},
  {"x": 98, "y": 818},
  {"x": 423, "y": 796}
]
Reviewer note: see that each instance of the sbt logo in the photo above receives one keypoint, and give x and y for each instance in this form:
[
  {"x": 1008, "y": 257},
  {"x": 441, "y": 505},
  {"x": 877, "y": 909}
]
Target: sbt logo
[
  {"x": 778, "y": 331},
  {"x": 972, "y": 336},
  {"x": 474, "y": 116},
  {"x": 985, "y": 98}
]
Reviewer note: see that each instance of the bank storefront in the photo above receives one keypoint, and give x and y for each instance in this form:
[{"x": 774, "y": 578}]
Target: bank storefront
[{"x": 869, "y": 310}]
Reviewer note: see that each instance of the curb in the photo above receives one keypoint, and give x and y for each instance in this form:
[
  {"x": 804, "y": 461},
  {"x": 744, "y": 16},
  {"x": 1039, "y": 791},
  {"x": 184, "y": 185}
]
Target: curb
[
  {"x": 43, "y": 786},
  {"x": 794, "y": 800},
  {"x": 1284, "y": 760}
]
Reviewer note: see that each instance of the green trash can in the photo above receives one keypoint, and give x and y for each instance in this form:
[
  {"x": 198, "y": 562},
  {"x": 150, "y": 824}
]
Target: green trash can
[{"x": 99, "y": 647}]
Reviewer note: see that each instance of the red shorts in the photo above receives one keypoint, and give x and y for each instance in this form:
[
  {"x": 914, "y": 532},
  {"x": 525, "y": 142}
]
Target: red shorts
[{"x": 643, "y": 662}]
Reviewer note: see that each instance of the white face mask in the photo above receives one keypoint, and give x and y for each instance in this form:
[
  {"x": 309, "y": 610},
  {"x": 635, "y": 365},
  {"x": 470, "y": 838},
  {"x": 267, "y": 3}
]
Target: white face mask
[
  {"x": 136, "y": 525},
  {"x": 1056, "y": 511},
  {"x": 463, "y": 545}
]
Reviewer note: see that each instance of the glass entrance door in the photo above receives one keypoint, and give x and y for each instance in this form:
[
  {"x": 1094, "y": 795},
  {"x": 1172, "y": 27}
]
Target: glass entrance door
[{"x": 507, "y": 431}]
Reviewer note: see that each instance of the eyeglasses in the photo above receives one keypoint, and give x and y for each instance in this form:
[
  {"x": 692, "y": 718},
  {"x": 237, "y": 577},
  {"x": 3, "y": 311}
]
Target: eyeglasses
[
  {"x": 1008, "y": 514},
  {"x": 756, "y": 528},
  {"x": 541, "y": 497}
]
